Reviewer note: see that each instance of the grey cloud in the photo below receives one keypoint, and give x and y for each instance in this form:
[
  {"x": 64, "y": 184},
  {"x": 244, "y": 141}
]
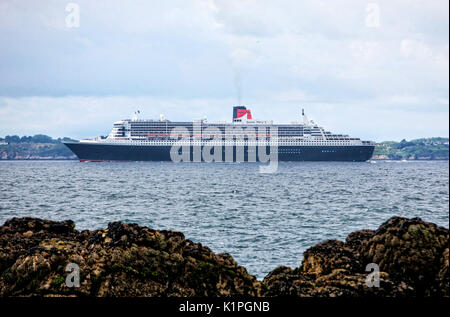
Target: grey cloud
[{"x": 181, "y": 53}]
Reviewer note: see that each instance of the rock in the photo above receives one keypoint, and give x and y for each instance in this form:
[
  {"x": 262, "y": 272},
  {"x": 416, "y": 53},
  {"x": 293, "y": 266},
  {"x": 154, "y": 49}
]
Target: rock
[
  {"x": 356, "y": 239},
  {"x": 443, "y": 279},
  {"x": 35, "y": 225},
  {"x": 327, "y": 256},
  {"x": 412, "y": 256},
  {"x": 410, "y": 250},
  {"x": 131, "y": 260},
  {"x": 122, "y": 260},
  {"x": 28, "y": 234},
  {"x": 339, "y": 282}
]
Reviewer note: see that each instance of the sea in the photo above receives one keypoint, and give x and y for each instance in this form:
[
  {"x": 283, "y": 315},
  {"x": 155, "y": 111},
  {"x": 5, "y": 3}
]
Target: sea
[{"x": 262, "y": 220}]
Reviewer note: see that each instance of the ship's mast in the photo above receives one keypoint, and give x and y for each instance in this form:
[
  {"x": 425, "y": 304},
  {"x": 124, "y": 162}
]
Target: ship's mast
[
  {"x": 135, "y": 115},
  {"x": 306, "y": 122}
]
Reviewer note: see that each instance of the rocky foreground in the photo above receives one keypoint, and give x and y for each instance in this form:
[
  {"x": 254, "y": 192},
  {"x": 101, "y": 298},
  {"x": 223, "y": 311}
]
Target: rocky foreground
[{"x": 131, "y": 260}]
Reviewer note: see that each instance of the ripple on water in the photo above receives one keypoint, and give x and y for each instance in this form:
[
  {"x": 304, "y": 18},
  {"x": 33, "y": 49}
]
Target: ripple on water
[{"x": 263, "y": 221}]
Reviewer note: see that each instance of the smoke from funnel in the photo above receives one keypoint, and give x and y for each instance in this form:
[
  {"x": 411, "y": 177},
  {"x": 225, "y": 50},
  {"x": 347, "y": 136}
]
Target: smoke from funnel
[
  {"x": 238, "y": 62},
  {"x": 243, "y": 55},
  {"x": 238, "y": 84}
]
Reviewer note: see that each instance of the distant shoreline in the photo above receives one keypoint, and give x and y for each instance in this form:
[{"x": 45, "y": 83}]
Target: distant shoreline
[
  {"x": 42, "y": 147},
  {"x": 41, "y": 159}
]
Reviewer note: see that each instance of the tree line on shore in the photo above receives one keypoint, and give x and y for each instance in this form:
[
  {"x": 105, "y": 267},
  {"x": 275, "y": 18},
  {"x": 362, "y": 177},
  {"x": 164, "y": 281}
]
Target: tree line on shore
[
  {"x": 37, "y": 138},
  {"x": 40, "y": 145},
  {"x": 424, "y": 148}
]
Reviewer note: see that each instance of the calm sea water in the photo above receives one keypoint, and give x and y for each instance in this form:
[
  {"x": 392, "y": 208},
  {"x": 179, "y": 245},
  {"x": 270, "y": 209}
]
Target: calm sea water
[{"x": 262, "y": 220}]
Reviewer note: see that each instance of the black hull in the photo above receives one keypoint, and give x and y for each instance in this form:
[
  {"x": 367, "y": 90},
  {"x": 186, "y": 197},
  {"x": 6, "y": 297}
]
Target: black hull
[{"x": 108, "y": 152}]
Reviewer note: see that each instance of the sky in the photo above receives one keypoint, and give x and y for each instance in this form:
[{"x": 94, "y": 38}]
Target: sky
[{"x": 378, "y": 70}]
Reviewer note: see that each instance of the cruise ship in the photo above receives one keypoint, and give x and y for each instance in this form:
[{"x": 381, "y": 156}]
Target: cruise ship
[{"x": 242, "y": 140}]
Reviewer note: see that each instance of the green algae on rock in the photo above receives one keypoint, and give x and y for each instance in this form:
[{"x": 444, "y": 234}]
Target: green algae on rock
[
  {"x": 130, "y": 260},
  {"x": 122, "y": 260},
  {"x": 412, "y": 256}
]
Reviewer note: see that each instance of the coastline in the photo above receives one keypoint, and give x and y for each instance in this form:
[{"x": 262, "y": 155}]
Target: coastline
[
  {"x": 42, "y": 147},
  {"x": 130, "y": 260},
  {"x": 40, "y": 159}
]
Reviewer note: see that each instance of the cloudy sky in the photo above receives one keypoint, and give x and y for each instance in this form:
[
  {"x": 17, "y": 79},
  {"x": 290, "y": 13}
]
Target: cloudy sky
[{"x": 377, "y": 70}]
